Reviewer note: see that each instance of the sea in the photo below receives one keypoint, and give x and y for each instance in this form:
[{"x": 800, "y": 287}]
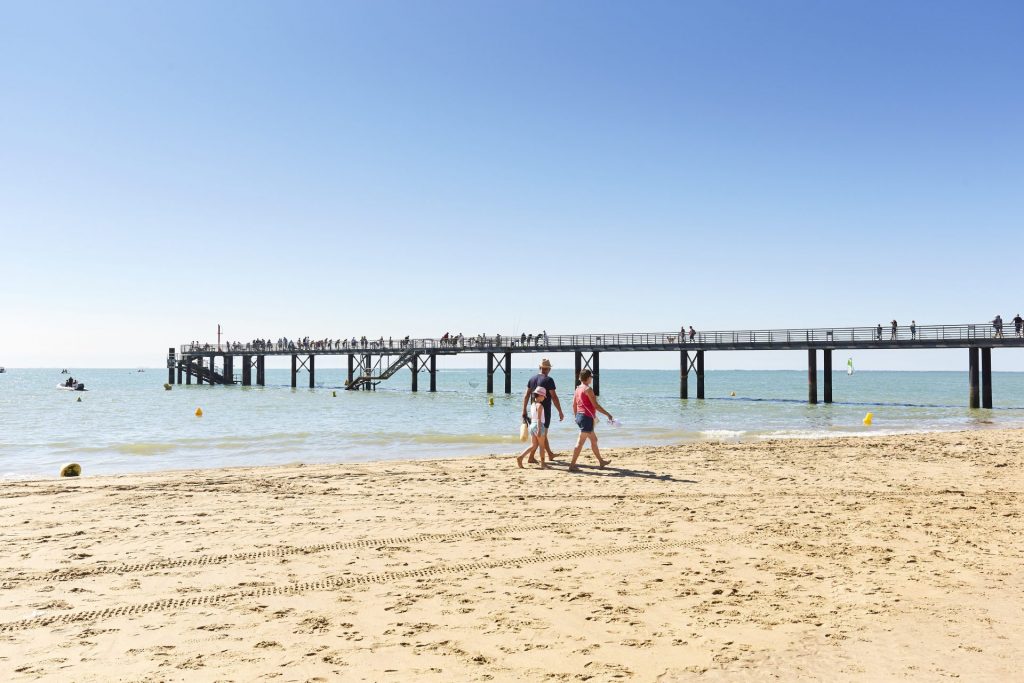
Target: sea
[{"x": 128, "y": 422}]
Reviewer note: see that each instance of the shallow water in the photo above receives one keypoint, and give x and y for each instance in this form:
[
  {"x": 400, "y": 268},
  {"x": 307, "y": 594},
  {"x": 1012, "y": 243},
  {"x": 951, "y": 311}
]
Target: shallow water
[{"x": 128, "y": 422}]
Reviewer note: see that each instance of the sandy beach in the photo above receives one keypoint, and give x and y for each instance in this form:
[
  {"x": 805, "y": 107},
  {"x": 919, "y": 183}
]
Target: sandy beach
[{"x": 884, "y": 558}]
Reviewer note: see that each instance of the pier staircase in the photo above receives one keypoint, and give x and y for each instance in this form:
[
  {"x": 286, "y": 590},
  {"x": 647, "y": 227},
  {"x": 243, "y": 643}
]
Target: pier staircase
[
  {"x": 371, "y": 380},
  {"x": 208, "y": 375}
]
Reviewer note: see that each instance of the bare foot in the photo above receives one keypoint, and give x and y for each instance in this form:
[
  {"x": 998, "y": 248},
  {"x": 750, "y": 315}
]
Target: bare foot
[
  {"x": 603, "y": 462},
  {"x": 544, "y": 467},
  {"x": 573, "y": 468},
  {"x": 519, "y": 461},
  {"x": 532, "y": 461}
]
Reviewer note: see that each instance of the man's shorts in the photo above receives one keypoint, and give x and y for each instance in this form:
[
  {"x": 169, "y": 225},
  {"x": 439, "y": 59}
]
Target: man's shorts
[{"x": 584, "y": 422}]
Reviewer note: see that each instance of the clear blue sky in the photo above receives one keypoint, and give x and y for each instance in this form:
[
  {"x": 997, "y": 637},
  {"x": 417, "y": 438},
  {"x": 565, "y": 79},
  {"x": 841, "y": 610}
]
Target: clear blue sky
[{"x": 393, "y": 168}]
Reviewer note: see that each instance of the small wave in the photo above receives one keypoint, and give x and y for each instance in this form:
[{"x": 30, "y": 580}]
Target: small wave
[{"x": 722, "y": 433}]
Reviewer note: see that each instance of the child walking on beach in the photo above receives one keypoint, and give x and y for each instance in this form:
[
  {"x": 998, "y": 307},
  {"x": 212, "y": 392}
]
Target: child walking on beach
[
  {"x": 585, "y": 407},
  {"x": 538, "y": 432}
]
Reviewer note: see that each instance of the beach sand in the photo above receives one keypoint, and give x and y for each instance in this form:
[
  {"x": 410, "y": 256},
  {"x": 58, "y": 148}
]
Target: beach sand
[{"x": 874, "y": 559}]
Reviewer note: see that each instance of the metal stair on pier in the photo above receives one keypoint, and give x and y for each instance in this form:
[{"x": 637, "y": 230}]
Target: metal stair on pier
[
  {"x": 372, "y": 380},
  {"x": 208, "y": 375}
]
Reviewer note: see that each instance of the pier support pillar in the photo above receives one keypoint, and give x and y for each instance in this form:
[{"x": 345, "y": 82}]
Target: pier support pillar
[
  {"x": 246, "y": 371},
  {"x": 414, "y": 364},
  {"x": 508, "y": 372},
  {"x": 295, "y": 362},
  {"x": 180, "y": 366},
  {"x": 312, "y": 370},
  {"x": 986, "y": 378},
  {"x": 261, "y": 370},
  {"x": 827, "y": 362},
  {"x": 188, "y": 370},
  {"x": 700, "y": 374},
  {"x": 433, "y": 372},
  {"x": 199, "y": 367},
  {"x": 170, "y": 365},
  {"x": 684, "y": 374},
  {"x": 368, "y": 371},
  {"x": 593, "y": 363},
  {"x": 972, "y": 377},
  {"x": 229, "y": 369},
  {"x": 490, "y": 373},
  {"x": 812, "y": 376},
  {"x": 350, "y": 377},
  {"x": 213, "y": 380}
]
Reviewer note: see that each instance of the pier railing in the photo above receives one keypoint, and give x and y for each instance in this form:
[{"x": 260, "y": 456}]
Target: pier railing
[{"x": 824, "y": 336}]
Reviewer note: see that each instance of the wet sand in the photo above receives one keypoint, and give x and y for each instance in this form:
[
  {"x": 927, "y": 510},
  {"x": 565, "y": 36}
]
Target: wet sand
[{"x": 888, "y": 558}]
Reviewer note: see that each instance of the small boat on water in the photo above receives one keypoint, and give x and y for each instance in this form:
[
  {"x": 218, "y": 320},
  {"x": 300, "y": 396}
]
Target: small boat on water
[
  {"x": 2, "y": 370},
  {"x": 72, "y": 384}
]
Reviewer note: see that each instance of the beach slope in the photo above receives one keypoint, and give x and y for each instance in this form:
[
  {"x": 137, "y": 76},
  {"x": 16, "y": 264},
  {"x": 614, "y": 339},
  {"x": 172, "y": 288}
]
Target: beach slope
[{"x": 897, "y": 557}]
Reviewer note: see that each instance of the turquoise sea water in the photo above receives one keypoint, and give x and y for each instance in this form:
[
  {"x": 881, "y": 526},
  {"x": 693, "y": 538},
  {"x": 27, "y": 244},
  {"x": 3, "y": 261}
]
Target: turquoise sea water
[{"x": 128, "y": 422}]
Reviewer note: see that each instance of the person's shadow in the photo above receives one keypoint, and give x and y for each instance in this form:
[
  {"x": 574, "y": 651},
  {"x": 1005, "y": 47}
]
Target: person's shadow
[{"x": 612, "y": 471}]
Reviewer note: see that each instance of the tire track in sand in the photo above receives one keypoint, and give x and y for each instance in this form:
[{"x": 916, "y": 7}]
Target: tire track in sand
[
  {"x": 340, "y": 582},
  {"x": 279, "y": 551}
]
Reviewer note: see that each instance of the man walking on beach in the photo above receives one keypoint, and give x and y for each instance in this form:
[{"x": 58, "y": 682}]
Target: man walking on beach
[{"x": 541, "y": 379}]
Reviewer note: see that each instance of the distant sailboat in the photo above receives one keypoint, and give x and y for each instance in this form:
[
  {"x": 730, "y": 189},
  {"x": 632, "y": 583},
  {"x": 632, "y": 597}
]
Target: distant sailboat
[{"x": 849, "y": 366}]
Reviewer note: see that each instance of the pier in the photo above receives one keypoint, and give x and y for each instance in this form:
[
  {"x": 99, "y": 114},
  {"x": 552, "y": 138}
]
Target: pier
[{"x": 373, "y": 362}]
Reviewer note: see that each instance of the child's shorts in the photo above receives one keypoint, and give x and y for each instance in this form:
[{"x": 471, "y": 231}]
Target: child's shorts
[{"x": 538, "y": 429}]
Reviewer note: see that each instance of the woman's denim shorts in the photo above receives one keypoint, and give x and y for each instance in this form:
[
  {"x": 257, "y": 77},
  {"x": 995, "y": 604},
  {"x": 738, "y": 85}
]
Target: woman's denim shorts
[{"x": 585, "y": 422}]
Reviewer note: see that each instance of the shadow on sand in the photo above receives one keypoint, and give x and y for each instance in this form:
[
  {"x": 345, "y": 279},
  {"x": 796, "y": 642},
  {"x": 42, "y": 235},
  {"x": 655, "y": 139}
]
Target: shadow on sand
[{"x": 613, "y": 471}]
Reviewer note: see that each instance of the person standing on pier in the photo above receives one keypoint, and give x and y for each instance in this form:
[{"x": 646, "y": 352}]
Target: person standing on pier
[
  {"x": 1017, "y": 323},
  {"x": 541, "y": 379},
  {"x": 913, "y": 329},
  {"x": 878, "y": 332},
  {"x": 997, "y": 325},
  {"x": 585, "y": 408},
  {"x": 894, "y": 326},
  {"x": 693, "y": 333}
]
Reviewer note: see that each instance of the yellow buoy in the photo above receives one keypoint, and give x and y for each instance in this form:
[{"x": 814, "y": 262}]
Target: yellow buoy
[
  {"x": 732, "y": 393},
  {"x": 490, "y": 401},
  {"x": 167, "y": 386},
  {"x": 334, "y": 394},
  {"x": 72, "y": 469},
  {"x": 868, "y": 418},
  {"x": 199, "y": 412}
]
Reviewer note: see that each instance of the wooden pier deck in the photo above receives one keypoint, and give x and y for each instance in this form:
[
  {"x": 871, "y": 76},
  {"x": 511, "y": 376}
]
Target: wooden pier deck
[{"x": 372, "y": 362}]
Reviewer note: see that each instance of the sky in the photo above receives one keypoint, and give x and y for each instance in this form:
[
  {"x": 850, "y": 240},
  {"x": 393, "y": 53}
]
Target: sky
[{"x": 345, "y": 168}]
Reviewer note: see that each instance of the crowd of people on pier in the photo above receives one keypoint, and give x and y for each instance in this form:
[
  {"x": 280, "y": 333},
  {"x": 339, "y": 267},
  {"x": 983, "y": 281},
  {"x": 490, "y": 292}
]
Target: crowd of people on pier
[
  {"x": 448, "y": 340},
  {"x": 524, "y": 340}
]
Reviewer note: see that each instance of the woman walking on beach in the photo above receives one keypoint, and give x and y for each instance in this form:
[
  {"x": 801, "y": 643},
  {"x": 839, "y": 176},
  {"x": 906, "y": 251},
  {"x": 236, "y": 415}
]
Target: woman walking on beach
[
  {"x": 538, "y": 430},
  {"x": 585, "y": 407}
]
